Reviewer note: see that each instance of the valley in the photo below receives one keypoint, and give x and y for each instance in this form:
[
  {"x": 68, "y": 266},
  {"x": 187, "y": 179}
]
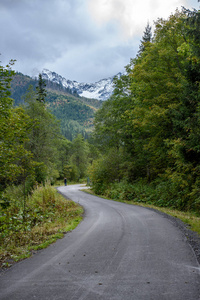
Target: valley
[{"x": 74, "y": 112}]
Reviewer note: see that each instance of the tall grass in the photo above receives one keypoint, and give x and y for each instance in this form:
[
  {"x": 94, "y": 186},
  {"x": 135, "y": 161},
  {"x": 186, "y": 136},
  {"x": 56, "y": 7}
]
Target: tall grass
[{"x": 47, "y": 216}]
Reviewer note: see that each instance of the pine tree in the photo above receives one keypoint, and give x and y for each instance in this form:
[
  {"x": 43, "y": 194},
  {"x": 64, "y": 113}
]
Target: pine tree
[
  {"x": 43, "y": 137},
  {"x": 147, "y": 37},
  {"x": 41, "y": 92}
]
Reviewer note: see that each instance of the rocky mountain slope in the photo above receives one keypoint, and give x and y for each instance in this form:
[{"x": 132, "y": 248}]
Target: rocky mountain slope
[{"x": 100, "y": 90}]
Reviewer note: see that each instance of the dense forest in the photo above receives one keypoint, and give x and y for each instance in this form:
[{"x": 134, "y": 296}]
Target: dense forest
[
  {"x": 75, "y": 113},
  {"x": 148, "y": 132}
]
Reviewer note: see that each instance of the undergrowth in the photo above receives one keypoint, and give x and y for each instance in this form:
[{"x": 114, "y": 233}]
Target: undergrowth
[{"x": 47, "y": 216}]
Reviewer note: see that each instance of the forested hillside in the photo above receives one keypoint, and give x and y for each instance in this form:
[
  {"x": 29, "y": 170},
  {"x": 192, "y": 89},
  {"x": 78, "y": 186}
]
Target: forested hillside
[
  {"x": 149, "y": 130},
  {"x": 75, "y": 113}
]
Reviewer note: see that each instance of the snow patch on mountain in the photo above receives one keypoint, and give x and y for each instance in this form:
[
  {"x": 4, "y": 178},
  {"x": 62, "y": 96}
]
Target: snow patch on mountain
[{"x": 100, "y": 90}]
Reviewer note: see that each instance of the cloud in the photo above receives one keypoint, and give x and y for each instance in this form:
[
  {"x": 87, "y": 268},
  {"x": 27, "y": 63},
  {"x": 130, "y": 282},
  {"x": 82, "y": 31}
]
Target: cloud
[
  {"x": 83, "y": 40},
  {"x": 59, "y": 35},
  {"x": 102, "y": 60},
  {"x": 44, "y": 26},
  {"x": 132, "y": 15},
  {"x": 37, "y": 32}
]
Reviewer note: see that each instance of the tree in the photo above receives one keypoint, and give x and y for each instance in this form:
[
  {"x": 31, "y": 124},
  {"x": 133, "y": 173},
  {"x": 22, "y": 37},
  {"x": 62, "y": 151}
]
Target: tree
[
  {"x": 45, "y": 132},
  {"x": 109, "y": 119},
  {"x": 12, "y": 147},
  {"x": 154, "y": 114},
  {"x": 5, "y": 81},
  {"x": 14, "y": 130},
  {"x": 41, "y": 92},
  {"x": 63, "y": 148},
  {"x": 79, "y": 156},
  {"x": 146, "y": 38},
  {"x": 157, "y": 85}
]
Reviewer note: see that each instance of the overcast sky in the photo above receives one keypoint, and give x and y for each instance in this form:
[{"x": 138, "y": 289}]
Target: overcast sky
[{"x": 82, "y": 40}]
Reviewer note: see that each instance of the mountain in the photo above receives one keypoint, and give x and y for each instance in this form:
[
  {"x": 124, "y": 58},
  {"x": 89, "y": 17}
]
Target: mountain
[
  {"x": 75, "y": 113},
  {"x": 100, "y": 90}
]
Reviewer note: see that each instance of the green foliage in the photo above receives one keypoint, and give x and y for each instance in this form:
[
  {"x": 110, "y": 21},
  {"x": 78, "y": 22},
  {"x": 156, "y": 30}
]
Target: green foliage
[
  {"x": 48, "y": 215},
  {"x": 30, "y": 139},
  {"x": 33, "y": 148},
  {"x": 41, "y": 92},
  {"x": 19, "y": 86},
  {"x": 79, "y": 157},
  {"x": 43, "y": 137},
  {"x": 15, "y": 159},
  {"x": 158, "y": 193},
  {"x": 75, "y": 116},
  {"x": 5, "y": 80},
  {"x": 147, "y": 37},
  {"x": 124, "y": 191},
  {"x": 107, "y": 169},
  {"x": 75, "y": 157},
  {"x": 75, "y": 113},
  {"x": 153, "y": 118},
  {"x": 32, "y": 151}
]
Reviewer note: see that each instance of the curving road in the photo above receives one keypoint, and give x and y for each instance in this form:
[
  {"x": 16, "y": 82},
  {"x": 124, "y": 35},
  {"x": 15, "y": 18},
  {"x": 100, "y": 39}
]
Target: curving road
[{"x": 118, "y": 252}]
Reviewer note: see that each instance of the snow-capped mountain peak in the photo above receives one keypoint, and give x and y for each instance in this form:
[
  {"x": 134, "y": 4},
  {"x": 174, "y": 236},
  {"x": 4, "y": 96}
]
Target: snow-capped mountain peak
[{"x": 100, "y": 90}]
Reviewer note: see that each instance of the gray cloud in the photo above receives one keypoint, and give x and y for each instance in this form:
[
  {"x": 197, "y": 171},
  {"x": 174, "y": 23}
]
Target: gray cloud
[{"x": 64, "y": 36}]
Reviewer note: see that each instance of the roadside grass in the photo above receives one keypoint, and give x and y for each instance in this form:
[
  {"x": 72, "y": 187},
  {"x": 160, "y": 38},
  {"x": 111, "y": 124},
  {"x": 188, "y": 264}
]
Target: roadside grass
[
  {"x": 189, "y": 218},
  {"x": 48, "y": 217}
]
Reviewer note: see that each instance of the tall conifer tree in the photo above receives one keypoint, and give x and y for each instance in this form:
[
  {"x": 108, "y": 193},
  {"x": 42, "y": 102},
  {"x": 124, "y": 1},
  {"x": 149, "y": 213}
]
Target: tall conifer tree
[
  {"x": 41, "y": 92},
  {"x": 147, "y": 37}
]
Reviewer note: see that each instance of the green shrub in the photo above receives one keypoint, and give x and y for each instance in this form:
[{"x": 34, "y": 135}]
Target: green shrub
[
  {"x": 46, "y": 213},
  {"x": 158, "y": 193}
]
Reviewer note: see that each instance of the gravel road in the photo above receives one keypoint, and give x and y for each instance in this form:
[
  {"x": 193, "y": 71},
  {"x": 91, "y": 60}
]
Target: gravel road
[{"x": 118, "y": 252}]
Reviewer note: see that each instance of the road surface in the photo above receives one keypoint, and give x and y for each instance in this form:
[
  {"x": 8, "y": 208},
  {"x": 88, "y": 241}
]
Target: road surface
[{"x": 118, "y": 252}]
